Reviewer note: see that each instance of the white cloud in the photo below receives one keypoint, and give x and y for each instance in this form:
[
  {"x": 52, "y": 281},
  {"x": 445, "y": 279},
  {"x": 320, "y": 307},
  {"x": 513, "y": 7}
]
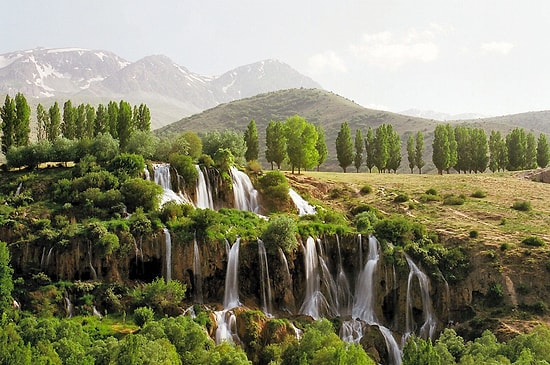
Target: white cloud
[
  {"x": 502, "y": 48},
  {"x": 326, "y": 61},
  {"x": 390, "y": 51}
]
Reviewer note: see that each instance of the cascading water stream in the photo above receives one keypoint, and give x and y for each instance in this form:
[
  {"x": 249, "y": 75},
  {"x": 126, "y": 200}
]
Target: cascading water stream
[
  {"x": 18, "y": 190},
  {"x": 168, "y": 249},
  {"x": 427, "y": 330},
  {"x": 231, "y": 294},
  {"x": 314, "y": 300},
  {"x": 203, "y": 192},
  {"x": 197, "y": 272},
  {"x": 246, "y": 197},
  {"x": 69, "y": 308},
  {"x": 304, "y": 208},
  {"x": 162, "y": 178},
  {"x": 344, "y": 297},
  {"x": 265, "y": 282}
]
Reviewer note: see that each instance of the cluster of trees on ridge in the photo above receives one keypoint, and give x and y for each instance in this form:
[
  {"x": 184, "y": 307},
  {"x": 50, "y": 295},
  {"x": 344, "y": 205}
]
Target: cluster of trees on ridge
[{"x": 462, "y": 148}]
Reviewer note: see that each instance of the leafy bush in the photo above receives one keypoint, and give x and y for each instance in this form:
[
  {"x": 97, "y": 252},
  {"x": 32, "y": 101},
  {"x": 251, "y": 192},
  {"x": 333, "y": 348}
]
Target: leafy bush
[
  {"x": 479, "y": 194},
  {"x": 142, "y": 315},
  {"x": 161, "y": 296},
  {"x": 522, "y": 205},
  {"x": 431, "y": 191},
  {"x": 274, "y": 186},
  {"x": 454, "y": 199},
  {"x": 185, "y": 167},
  {"x": 474, "y": 234},
  {"x": 365, "y": 189},
  {"x": 127, "y": 165},
  {"x": 401, "y": 198},
  {"x": 363, "y": 208},
  {"x": 399, "y": 230},
  {"x": 141, "y": 193},
  {"x": 365, "y": 221},
  {"x": 534, "y": 241},
  {"x": 495, "y": 293},
  {"x": 280, "y": 232}
]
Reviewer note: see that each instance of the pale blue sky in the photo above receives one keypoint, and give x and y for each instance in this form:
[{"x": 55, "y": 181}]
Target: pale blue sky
[{"x": 454, "y": 56}]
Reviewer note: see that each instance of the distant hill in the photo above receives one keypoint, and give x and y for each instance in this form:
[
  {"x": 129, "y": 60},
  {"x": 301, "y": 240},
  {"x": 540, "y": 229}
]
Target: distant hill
[
  {"x": 330, "y": 110},
  {"x": 171, "y": 91}
]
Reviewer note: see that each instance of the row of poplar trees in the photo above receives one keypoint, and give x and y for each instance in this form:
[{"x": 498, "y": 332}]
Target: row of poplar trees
[{"x": 73, "y": 122}]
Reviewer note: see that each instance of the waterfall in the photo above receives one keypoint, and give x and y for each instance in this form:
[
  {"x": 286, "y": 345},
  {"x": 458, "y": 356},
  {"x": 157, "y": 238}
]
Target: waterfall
[
  {"x": 96, "y": 313},
  {"x": 197, "y": 272},
  {"x": 48, "y": 258},
  {"x": 363, "y": 306},
  {"x": 168, "y": 245},
  {"x": 265, "y": 282},
  {"x": 360, "y": 240},
  {"x": 43, "y": 257},
  {"x": 227, "y": 327},
  {"x": 302, "y": 205},
  {"x": 288, "y": 277},
  {"x": 18, "y": 190},
  {"x": 69, "y": 308},
  {"x": 203, "y": 192},
  {"x": 427, "y": 330},
  {"x": 314, "y": 300},
  {"x": 246, "y": 197},
  {"x": 231, "y": 294},
  {"x": 162, "y": 178},
  {"x": 92, "y": 270},
  {"x": 146, "y": 173},
  {"x": 344, "y": 296}
]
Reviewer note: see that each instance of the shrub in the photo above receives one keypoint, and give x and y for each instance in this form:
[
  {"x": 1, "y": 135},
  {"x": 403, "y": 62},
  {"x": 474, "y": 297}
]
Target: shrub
[
  {"x": 274, "y": 186},
  {"x": 495, "y": 293},
  {"x": 127, "y": 165},
  {"x": 504, "y": 246},
  {"x": 474, "y": 234},
  {"x": 366, "y": 189},
  {"x": 479, "y": 194},
  {"x": 398, "y": 230},
  {"x": 142, "y": 315},
  {"x": 364, "y": 221},
  {"x": 363, "y": 208},
  {"x": 281, "y": 232},
  {"x": 534, "y": 241},
  {"x": 431, "y": 191},
  {"x": 522, "y": 205},
  {"x": 162, "y": 296},
  {"x": 401, "y": 198},
  {"x": 454, "y": 200},
  {"x": 185, "y": 167}
]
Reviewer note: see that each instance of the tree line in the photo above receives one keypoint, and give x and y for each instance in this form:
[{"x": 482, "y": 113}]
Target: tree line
[
  {"x": 79, "y": 122},
  {"x": 464, "y": 149}
]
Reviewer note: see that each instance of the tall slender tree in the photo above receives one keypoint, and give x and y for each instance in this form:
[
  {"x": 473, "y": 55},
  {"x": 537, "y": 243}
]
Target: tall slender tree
[
  {"x": 275, "y": 141},
  {"x": 344, "y": 147},
  {"x": 358, "y": 158},
  {"x": 251, "y": 141},
  {"x": 453, "y": 153},
  {"x": 441, "y": 149},
  {"x": 394, "y": 149},
  {"x": 516, "y": 144},
  {"x": 381, "y": 147},
  {"x": 531, "y": 152},
  {"x": 543, "y": 151},
  {"x": 301, "y": 139},
  {"x": 143, "y": 120},
  {"x": 411, "y": 153},
  {"x": 479, "y": 148},
  {"x": 101, "y": 122},
  {"x": 80, "y": 122},
  {"x": 54, "y": 123},
  {"x": 90, "y": 121},
  {"x": 8, "y": 114},
  {"x": 321, "y": 146},
  {"x": 112, "y": 110},
  {"x": 369, "y": 149},
  {"x": 41, "y": 122},
  {"x": 22, "y": 128},
  {"x": 124, "y": 124},
  {"x": 69, "y": 120},
  {"x": 419, "y": 151}
]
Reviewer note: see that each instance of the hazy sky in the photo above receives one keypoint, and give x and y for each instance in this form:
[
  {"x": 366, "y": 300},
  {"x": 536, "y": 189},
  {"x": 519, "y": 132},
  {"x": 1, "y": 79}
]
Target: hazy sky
[{"x": 453, "y": 56}]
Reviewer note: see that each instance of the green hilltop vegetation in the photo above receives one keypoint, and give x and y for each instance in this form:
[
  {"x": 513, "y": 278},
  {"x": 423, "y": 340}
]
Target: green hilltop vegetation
[{"x": 330, "y": 110}]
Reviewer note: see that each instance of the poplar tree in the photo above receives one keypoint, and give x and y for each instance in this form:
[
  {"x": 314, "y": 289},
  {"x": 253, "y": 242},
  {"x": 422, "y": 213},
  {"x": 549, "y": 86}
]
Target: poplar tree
[
  {"x": 464, "y": 144},
  {"x": 419, "y": 151},
  {"x": 301, "y": 138},
  {"x": 381, "y": 147},
  {"x": 494, "y": 148},
  {"x": 321, "y": 146},
  {"x": 275, "y": 141},
  {"x": 90, "y": 121},
  {"x": 80, "y": 122},
  {"x": 369, "y": 149},
  {"x": 516, "y": 145},
  {"x": 9, "y": 117},
  {"x": 344, "y": 147},
  {"x": 41, "y": 122},
  {"x": 101, "y": 122},
  {"x": 453, "y": 154},
  {"x": 394, "y": 149},
  {"x": 479, "y": 150},
  {"x": 251, "y": 141},
  {"x": 112, "y": 110},
  {"x": 143, "y": 120},
  {"x": 358, "y": 158},
  {"x": 124, "y": 124},
  {"x": 411, "y": 153},
  {"x": 441, "y": 150},
  {"x": 54, "y": 123},
  {"x": 531, "y": 152},
  {"x": 22, "y": 127},
  {"x": 69, "y": 123},
  {"x": 543, "y": 151}
]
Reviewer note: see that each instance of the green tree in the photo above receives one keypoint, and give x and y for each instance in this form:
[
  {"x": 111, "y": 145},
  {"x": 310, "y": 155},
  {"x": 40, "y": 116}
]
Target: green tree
[
  {"x": 344, "y": 147},
  {"x": 419, "y": 151},
  {"x": 516, "y": 144},
  {"x": 229, "y": 140},
  {"x": 53, "y": 130},
  {"x": 394, "y": 145},
  {"x": 382, "y": 147},
  {"x": 358, "y": 159},
  {"x": 194, "y": 144},
  {"x": 464, "y": 144},
  {"x": 124, "y": 124},
  {"x": 8, "y": 114},
  {"x": 301, "y": 139},
  {"x": 419, "y": 351},
  {"x": 275, "y": 141},
  {"x": 42, "y": 119},
  {"x": 101, "y": 122},
  {"x": 68, "y": 126},
  {"x": 441, "y": 148},
  {"x": 321, "y": 146},
  {"x": 543, "y": 151},
  {"x": 142, "y": 143},
  {"x": 531, "y": 152},
  {"x": 6, "y": 282},
  {"x": 370, "y": 149},
  {"x": 143, "y": 119},
  {"x": 80, "y": 122},
  {"x": 22, "y": 127},
  {"x": 141, "y": 193},
  {"x": 453, "y": 153},
  {"x": 89, "y": 130},
  {"x": 411, "y": 153},
  {"x": 495, "y": 141},
  {"x": 251, "y": 141},
  {"x": 479, "y": 148},
  {"x": 112, "y": 111},
  {"x": 280, "y": 232}
]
